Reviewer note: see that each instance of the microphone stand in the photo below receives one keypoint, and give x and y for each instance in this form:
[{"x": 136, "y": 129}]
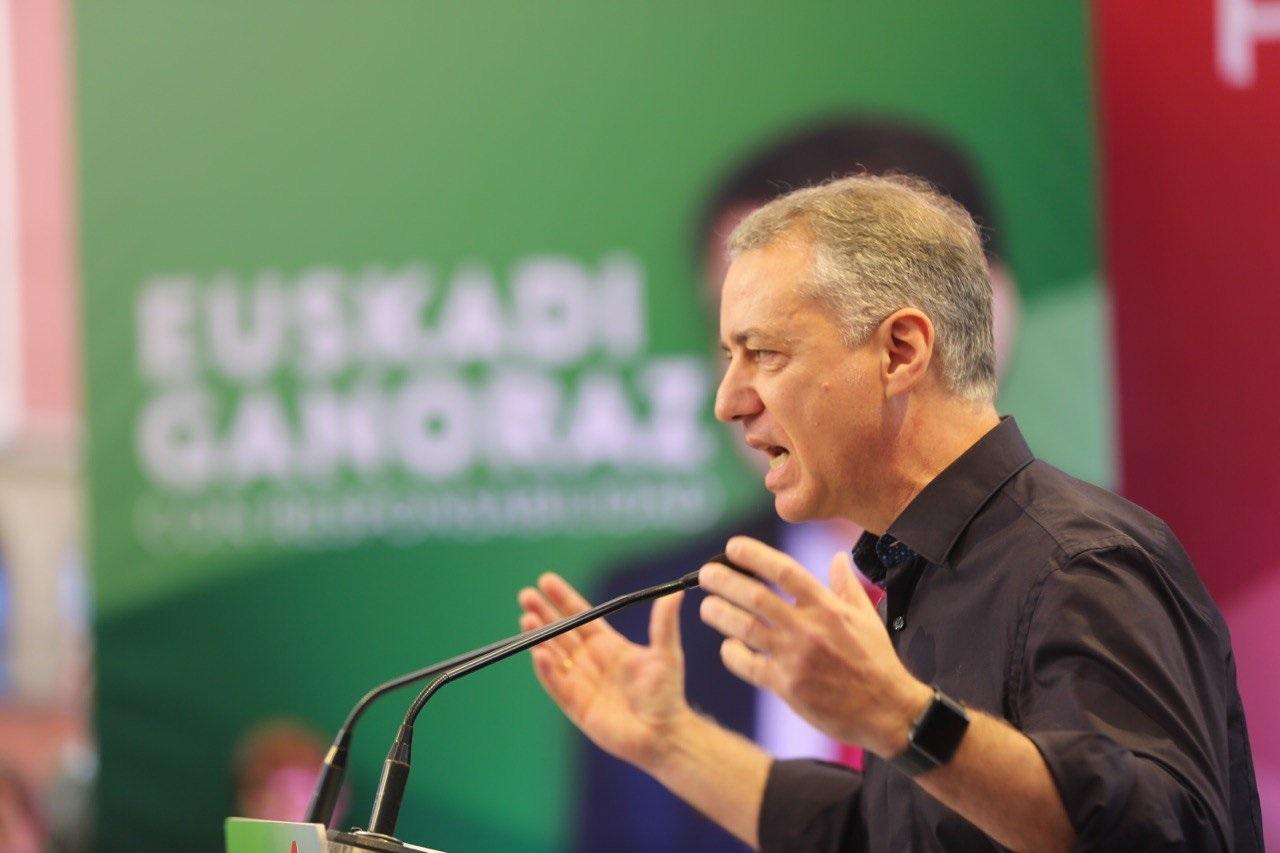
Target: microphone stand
[
  {"x": 395, "y": 772},
  {"x": 324, "y": 799}
]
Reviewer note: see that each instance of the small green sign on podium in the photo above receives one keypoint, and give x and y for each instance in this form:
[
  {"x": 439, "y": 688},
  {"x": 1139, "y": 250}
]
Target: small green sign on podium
[{"x": 245, "y": 835}]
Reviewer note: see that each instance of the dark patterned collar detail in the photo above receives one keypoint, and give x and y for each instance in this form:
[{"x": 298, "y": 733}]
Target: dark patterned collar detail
[
  {"x": 875, "y": 555},
  {"x": 891, "y": 552}
]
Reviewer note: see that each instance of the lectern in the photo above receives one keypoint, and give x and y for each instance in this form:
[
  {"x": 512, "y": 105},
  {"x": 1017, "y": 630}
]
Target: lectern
[{"x": 245, "y": 835}]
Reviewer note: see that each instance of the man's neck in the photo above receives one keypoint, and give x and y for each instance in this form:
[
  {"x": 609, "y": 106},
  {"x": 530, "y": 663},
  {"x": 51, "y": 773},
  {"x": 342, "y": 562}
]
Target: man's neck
[{"x": 929, "y": 438}]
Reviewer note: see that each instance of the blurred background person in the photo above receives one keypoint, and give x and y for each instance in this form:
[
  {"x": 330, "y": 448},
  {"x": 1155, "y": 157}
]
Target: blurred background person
[
  {"x": 22, "y": 827},
  {"x": 275, "y": 768}
]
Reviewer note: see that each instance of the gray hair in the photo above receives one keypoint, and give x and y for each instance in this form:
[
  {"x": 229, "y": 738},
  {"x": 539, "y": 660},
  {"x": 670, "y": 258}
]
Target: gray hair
[{"x": 887, "y": 242}]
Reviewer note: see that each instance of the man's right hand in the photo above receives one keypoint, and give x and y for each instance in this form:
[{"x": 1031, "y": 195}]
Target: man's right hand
[{"x": 627, "y": 698}]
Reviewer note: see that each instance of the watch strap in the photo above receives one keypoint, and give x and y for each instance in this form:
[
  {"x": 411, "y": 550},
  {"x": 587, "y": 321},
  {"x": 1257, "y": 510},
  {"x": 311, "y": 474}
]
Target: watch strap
[{"x": 934, "y": 736}]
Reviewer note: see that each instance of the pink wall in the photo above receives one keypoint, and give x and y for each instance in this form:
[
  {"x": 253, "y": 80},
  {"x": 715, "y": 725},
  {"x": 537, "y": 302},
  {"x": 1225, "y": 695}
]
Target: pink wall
[{"x": 42, "y": 81}]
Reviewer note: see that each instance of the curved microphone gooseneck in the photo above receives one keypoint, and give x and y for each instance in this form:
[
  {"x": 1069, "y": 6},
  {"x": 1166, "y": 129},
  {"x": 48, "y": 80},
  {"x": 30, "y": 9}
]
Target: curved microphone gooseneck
[
  {"x": 395, "y": 770},
  {"x": 325, "y": 797}
]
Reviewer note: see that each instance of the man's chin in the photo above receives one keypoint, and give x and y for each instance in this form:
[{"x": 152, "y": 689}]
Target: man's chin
[{"x": 792, "y": 510}]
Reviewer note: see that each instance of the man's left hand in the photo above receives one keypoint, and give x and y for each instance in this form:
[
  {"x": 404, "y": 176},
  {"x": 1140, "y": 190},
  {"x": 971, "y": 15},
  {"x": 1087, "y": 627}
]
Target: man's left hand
[{"x": 825, "y": 653}]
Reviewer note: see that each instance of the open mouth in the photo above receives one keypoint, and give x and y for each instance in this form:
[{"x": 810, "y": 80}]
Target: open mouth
[{"x": 778, "y": 457}]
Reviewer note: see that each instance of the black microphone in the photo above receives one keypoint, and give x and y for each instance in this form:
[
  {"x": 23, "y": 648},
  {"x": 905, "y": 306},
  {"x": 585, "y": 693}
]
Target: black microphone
[
  {"x": 395, "y": 770},
  {"x": 328, "y": 786}
]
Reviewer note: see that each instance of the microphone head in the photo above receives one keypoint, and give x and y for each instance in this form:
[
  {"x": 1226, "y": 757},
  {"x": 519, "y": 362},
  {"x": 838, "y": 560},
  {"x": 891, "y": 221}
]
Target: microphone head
[
  {"x": 725, "y": 561},
  {"x": 690, "y": 580}
]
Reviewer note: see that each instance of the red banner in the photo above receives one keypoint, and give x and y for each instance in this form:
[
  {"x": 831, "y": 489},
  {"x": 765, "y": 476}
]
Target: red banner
[{"x": 1190, "y": 104}]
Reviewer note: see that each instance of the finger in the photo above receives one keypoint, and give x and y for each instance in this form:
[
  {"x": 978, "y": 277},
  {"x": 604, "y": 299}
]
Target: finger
[
  {"x": 553, "y": 666},
  {"x": 845, "y": 582},
  {"x": 777, "y": 568},
  {"x": 744, "y": 663},
  {"x": 529, "y": 622},
  {"x": 745, "y": 593},
  {"x": 552, "y": 676},
  {"x": 570, "y": 687},
  {"x": 539, "y": 612},
  {"x": 664, "y": 623},
  {"x": 736, "y": 623},
  {"x": 534, "y": 603},
  {"x": 562, "y": 594},
  {"x": 569, "y": 602}
]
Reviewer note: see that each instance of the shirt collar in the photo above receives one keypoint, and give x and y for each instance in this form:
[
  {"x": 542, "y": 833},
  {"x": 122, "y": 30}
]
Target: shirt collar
[
  {"x": 935, "y": 518},
  {"x": 875, "y": 556}
]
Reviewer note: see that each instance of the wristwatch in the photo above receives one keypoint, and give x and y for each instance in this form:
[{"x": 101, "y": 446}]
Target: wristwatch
[{"x": 934, "y": 737}]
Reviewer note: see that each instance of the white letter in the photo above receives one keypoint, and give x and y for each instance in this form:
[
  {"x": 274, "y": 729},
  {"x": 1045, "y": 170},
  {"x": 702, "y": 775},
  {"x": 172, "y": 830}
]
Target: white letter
[
  {"x": 677, "y": 392},
  {"x": 520, "y": 417},
  {"x": 433, "y": 425},
  {"x": 258, "y": 442},
  {"x": 337, "y": 430},
  {"x": 321, "y": 321},
  {"x": 165, "y": 313},
  {"x": 471, "y": 323},
  {"x": 619, "y": 306},
  {"x": 601, "y": 428},
  {"x": 392, "y": 312},
  {"x": 175, "y": 440},
  {"x": 246, "y": 348},
  {"x": 552, "y": 298},
  {"x": 1241, "y": 25}
]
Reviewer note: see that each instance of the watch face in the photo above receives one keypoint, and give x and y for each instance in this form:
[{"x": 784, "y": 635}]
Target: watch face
[{"x": 940, "y": 729}]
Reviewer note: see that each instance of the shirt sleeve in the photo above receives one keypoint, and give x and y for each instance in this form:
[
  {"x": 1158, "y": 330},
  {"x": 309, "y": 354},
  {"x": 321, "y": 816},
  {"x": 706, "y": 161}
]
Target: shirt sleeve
[
  {"x": 811, "y": 806},
  {"x": 1121, "y": 689}
]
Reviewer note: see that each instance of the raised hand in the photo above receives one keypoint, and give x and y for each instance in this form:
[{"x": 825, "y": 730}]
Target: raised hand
[
  {"x": 825, "y": 653},
  {"x": 624, "y": 696}
]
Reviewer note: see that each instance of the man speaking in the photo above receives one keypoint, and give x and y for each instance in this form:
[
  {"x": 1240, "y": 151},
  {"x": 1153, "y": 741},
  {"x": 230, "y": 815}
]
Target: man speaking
[{"x": 1047, "y": 670}]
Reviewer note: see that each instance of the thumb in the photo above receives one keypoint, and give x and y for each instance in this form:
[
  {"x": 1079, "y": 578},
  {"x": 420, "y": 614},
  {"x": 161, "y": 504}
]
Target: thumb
[{"x": 664, "y": 623}]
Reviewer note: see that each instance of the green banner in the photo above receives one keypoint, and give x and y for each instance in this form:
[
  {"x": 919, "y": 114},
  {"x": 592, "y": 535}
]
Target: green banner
[{"x": 389, "y": 307}]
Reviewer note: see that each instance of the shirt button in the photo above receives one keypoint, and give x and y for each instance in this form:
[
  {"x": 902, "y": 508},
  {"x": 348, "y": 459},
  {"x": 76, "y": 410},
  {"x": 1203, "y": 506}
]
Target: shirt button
[{"x": 898, "y": 623}]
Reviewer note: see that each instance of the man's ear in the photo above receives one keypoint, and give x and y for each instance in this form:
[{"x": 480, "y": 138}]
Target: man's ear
[{"x": 906, "y": 349}]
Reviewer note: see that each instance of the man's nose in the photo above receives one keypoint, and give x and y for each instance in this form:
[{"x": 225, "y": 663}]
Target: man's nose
[{"x": 735, "y": 398}]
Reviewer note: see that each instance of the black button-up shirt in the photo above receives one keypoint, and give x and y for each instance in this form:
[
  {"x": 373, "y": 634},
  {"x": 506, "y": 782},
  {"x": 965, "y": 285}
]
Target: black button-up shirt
[{"x": 1077, "y": 617}]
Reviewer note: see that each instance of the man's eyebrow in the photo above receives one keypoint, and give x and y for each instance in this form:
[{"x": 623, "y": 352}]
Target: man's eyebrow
[{"x": 754, "y": 333}]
